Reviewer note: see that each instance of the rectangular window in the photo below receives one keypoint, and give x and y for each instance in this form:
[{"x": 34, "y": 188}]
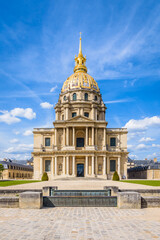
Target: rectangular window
[
  {"x": 80, "y": 142},
  {"x": 112, "y": 142},
  {"x": 74, "y": 114},
  {"x": 112, "y": 165},
  {"x": 47, "y": 142},
  {"x": 86, "y": 114},
  {"x": 47, "y": 165}
]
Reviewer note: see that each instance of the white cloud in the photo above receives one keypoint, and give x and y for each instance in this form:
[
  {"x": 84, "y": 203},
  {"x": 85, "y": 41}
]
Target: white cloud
[
  {"x": 132, "y": 135},
  {"x": 53, "y": 89},
  {"x": 146, "y": 139},
  {"x": 17, "y": 132},
  {"x": 142, "y": 124},
  {"x": 27, "y": 133},
  {"x": 142, "y": 147},
  {"x": 12, "y": 116},
  {"x": 25, "y": 113},
  {"x": 6, "y": 117},
  {"x": 156, "y": 145},
  {"x": 133, "y": 156},
  {"x": 46, "y": 105},
  {"x": 14, "y": 140},
  {"x": 129, "y": 146},
  {"x": 20, "y": 148}
]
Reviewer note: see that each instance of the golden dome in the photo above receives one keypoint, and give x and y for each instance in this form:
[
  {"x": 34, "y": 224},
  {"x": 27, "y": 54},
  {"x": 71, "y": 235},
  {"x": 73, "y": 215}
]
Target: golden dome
[{"x": 80, "y": 78}]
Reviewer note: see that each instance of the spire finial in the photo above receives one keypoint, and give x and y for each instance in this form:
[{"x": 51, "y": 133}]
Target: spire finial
[{"x": 80, "y": 44}]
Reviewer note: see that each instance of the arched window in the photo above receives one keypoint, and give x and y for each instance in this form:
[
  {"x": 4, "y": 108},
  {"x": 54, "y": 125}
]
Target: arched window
[
  {"x": 86, "y": 96},
  {"x": 74, "y": 96},
  {"x": 64, "y": 98},
  {"x": 95, "y": 98}
]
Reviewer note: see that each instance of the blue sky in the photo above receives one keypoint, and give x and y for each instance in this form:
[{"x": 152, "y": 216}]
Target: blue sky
[{"x": 38, "y": 42}]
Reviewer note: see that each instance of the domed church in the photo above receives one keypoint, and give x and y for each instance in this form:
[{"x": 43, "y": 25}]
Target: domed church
[{"x": 80, "y": 144}]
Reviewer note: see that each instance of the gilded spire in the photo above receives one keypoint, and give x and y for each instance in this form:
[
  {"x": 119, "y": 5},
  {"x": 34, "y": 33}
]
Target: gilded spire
[
  {"x": 80, "y": 45},
  {"x": 80, "y": 60}
]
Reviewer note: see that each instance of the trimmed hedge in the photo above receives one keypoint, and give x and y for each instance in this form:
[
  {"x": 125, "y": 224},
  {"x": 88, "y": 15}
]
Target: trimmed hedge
[
  {"x": 44, "y": 177},
  {"x": 115, "y": 176}
]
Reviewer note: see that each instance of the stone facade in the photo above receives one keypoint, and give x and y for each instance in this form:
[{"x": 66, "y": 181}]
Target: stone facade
[
  {"x": 80, "y": 144},
  {"x": 16, "y": 171}
]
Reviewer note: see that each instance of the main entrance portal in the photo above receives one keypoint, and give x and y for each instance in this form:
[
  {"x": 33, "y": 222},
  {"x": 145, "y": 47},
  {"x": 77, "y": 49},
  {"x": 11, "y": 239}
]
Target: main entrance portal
[{"x": 80, "y": 170}]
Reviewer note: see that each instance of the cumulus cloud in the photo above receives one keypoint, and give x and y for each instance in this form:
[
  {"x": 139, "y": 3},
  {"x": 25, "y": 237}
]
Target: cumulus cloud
[
  {"x": 20, "y": 148},
  {"x": 27, "y": 133},
  {"x": 146, "y": 139},
  {"x": 13, "y": 116},
  {"x": 142, "y": 124},
  {"x": 156, "y": 145},
  {"x": 25, "y": 113},
  {"x": 46, "y": 105},
  {"x": 53, "y": 89},
  {"x": 14, "y": 140},
  {"x": 6, "y": 117},
  {"x": 142, "y": 146},
  {"x": 133, "y": 156},
  {"x": 132, "y": 135}
]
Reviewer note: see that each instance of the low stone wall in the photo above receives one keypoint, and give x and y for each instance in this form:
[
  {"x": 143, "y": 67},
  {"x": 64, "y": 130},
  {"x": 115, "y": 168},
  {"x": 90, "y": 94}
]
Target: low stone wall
[
  {"x": 144, "y": 192},
  {"x": 31, "y": 200},
  {"x": 129, "y": 200},
  {"x": 150, "y": 202},
  {"x": 15, "y": 193},
  {"x": 9, "y": 202}
]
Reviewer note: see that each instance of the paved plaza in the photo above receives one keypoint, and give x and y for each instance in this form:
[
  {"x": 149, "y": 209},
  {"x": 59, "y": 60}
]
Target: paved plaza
[
  {"x": 80, "y": 184},
  {"x": 79, "y": 223}
]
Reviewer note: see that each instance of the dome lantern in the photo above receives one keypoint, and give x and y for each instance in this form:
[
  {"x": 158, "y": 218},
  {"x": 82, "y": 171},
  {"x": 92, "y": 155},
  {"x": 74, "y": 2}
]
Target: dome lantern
[
  {"x": 80, "y": 79},
  {"x": 80, "y": 61}
]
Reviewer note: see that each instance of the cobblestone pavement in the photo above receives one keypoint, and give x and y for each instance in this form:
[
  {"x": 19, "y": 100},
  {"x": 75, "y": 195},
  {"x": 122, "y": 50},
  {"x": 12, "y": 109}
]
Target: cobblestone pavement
[{"x": 79, "y": 223}]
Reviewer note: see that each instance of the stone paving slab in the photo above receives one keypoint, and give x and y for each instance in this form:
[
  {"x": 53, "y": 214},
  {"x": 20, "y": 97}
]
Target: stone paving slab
[
  {"x": 80, "y": 184},
  {"x": 79, "y": 223}
]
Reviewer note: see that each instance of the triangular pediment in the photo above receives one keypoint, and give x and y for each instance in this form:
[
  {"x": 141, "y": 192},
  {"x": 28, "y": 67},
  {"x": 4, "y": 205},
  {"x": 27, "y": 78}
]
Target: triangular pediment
[{"x": 80, "y": 119}]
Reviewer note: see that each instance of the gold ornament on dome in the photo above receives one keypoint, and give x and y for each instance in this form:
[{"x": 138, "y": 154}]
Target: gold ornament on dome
[{"x": 80, "y": 78}]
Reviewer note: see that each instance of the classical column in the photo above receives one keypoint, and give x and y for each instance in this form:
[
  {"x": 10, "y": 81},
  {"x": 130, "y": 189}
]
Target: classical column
[
  {"x": 81, "y": 112},
  {"x": 96, "y": 137},
  {"x": 96, "y": 170},
  {"x": 92, "y": 136},
  {"x": 119, "y": 166},
  {"x": 67, "y": 113},
  {"x": 55, "y": 137},
  {"x": 73, "y": 166},
  {"x": 41, "y": 165},
  {"x": 67, "y": 172},
  {"x": 64, "y": 136},
  {"x": 64, "y": 114},
  {"x": 55, "y": 166},
  {"x": 64, "y": 165},
  {"x": 67, "y": 137},
  {"x": 86, "y": 136},
  {"x": 52, "y": 164},
  {"x": 73, "y": 136},
  {"x": 93, "y": 109},
  {"x": 104, "y": 137},
  {"x": 86, "y": 166},
  {"x": 108, "y": 165},
  {"x": 104, "y": 165},
  {"x": 92, "y": 165}
]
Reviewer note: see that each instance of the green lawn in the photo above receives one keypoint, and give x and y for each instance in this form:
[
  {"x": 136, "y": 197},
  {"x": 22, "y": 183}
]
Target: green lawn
[
  {"x": 15, "y": 182},
  {"x": 144, "y": 182}
]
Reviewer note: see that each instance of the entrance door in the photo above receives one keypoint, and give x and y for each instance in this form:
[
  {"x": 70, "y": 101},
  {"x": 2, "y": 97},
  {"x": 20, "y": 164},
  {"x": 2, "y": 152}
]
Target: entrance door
[{"x": 80, "y": 170}]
